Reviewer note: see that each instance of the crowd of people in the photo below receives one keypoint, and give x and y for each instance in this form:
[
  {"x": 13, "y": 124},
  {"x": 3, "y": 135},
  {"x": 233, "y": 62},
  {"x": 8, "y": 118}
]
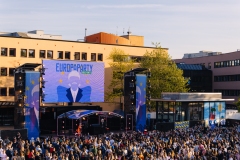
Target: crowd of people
[{"x": 197, "y": 143}]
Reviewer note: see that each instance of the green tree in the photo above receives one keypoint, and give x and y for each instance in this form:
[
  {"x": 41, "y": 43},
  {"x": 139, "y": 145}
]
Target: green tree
[
  {"x": 165, "y": 76},
  {"x": 238, "y": 104},
  {"x": 120, "y": 62}
]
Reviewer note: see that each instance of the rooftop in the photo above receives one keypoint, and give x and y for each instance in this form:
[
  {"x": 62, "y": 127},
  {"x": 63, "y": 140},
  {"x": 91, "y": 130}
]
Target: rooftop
[{"x": 190, "y": 66}]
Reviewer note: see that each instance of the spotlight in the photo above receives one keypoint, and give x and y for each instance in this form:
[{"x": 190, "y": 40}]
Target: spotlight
[
  {"x": 43, "y": 84},
  {"x": 42, "y": 71},
  {"x": 20, "y": 96},
  {"x": 149, "y": 74},
  {"x": 149, "y": 97},
  {"x": 149, "y": 86},
  {"x": 131, "y": 96}
]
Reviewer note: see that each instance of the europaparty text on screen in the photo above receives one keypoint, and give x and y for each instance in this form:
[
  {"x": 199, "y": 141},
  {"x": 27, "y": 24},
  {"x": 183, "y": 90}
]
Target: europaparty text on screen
[{"x": 67, "y": 67}]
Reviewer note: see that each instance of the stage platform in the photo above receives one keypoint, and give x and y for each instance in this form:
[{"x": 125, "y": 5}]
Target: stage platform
[{"x": 10, "y": 132}]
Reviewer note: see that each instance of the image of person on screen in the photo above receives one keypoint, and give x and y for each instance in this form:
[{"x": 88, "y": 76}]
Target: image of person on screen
[
  {"x": 34, "y": 109},
  {"x": 74, "y": 93}
]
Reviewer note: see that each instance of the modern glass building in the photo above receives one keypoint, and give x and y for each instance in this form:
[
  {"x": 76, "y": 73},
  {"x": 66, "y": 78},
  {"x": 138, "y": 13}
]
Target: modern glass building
[{"x": 191, "y": 109}]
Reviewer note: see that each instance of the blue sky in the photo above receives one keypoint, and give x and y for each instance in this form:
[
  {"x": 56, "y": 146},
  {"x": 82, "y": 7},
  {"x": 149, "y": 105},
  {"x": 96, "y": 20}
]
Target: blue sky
[{"x": 183, "y": 26}]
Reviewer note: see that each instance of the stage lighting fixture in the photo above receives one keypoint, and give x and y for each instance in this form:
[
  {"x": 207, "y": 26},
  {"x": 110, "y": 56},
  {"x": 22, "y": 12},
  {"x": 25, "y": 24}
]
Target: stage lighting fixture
[
  {"x": 131, "y": 85},
  {"x": 19, "y": 110},
  {"x": 43, "y": 84},
  {"x": 131, "y": 73},
  {"x": 131, "y": 96},
  {"x": 20, "y": 96},
  {"x": 42, "y": 71},
  {"x": 83, "y": 118},
  {"x": 149, "y": 74},
  {"x": 42, "y": 97},
  {"x": 149, "y": 86},
  {"x": 149, "y": 97}
]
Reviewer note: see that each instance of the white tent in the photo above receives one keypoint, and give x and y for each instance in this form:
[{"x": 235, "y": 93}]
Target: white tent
[{"x": 235, "y": 116}]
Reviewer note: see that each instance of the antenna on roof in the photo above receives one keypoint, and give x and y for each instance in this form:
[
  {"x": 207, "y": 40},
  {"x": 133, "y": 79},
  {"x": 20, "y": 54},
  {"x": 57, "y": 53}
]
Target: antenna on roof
[
  {"x": 123, "y": 31},
  {"x": 85, "y": 34},
  {"x": 129, "y": 32}
]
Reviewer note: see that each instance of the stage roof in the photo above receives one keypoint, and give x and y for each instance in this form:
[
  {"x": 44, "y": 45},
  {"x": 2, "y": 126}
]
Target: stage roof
[
  {"x": 77, "y": 114},
  {"x": 27, "y": 66}
]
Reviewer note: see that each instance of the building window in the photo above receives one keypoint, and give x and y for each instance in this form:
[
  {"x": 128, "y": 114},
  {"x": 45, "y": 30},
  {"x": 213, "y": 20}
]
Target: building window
[
  {"x": 67, "y": 55},
  {"x": 11, "y": 71},
  {"x": 23, "y": 53},
  {"x": 209, "y": 65},
  {"x": 11, "y": 92},
  {"x": 42, "y": 54},
  {"x": 77, "y": 56},
  {"x": 12, "y": 52},
  {"x": 31, "y": 53},
  {"x": 136, "y": 59},
  {"x": 84, "y": 56},
  {"x": 93, "y": 56},
  {"x": 3, "y": 91},
  {"x": 50, "y": 54},
  {"x": 100, "y": 57},
  {"x": 4, "y": 52},
  {"x": 60, "y": 54},
  {"x": 3, "y": 71}
]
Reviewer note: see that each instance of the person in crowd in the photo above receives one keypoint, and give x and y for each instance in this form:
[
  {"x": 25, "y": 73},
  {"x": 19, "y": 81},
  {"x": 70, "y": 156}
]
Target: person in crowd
[{"x": 196, "y": 143}]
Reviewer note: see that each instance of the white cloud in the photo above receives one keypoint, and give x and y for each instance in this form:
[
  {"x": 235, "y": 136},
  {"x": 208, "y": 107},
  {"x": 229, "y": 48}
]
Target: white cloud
[{"x": 130, "y": 6}]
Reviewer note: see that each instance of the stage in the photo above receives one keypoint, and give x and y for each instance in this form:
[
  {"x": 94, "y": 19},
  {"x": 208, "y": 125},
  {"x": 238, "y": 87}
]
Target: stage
[{"x": 10, "y": 132}]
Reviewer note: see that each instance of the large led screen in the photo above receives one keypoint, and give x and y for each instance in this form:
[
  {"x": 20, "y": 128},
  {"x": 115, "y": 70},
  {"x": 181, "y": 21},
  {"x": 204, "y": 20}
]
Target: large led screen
[
  {"x": 73, "y": 81},
  {"x": 141, "y": 80},
  {"x": 32, "y": 103}
]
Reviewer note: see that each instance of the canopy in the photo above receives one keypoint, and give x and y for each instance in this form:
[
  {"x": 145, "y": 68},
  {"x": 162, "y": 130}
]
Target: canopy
[
  {"x": 77, "y": 114},
  {"x": 235, "y": 116}
]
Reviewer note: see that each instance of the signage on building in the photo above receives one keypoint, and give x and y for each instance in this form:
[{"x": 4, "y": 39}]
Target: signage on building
[{"x": 7, "y": 103}]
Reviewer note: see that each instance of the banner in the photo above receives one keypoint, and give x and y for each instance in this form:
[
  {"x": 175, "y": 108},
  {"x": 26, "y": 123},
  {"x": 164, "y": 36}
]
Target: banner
[
  {"x": 32, "y": 101},
  {"x": 183, "y": 124},
  {"x": 214, "y": 113},
  {"x": 73, "y": 81},
  {"x": 141, "y": 80}
]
